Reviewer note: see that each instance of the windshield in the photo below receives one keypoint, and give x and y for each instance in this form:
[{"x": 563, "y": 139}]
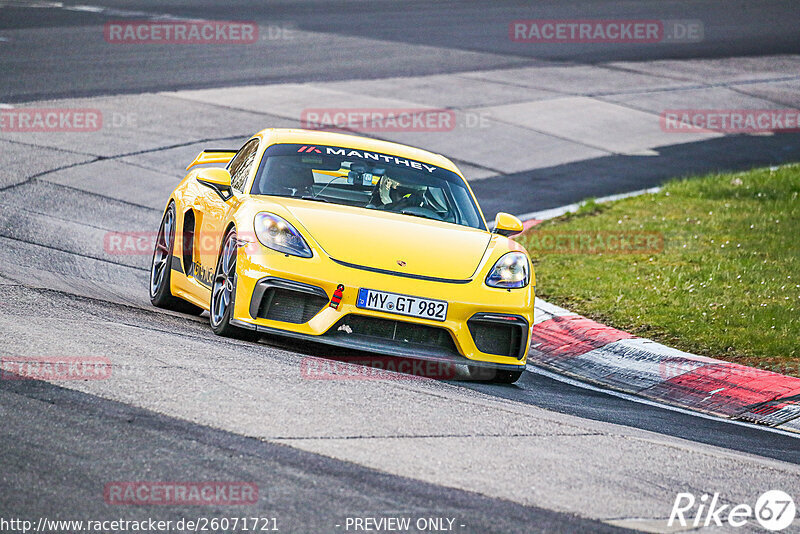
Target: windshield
[{"x": 368, "y": 180}]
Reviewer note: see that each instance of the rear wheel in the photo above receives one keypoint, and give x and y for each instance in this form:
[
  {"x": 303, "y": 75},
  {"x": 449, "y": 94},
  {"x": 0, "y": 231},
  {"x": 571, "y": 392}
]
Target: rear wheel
[
  {"x": 161, "y": 268},
  {"x": 223, "y": 292}
]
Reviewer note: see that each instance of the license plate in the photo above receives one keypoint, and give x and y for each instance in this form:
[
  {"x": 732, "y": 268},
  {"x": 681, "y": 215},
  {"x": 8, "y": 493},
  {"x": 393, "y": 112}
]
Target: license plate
[{"x": 370, "y": 299}]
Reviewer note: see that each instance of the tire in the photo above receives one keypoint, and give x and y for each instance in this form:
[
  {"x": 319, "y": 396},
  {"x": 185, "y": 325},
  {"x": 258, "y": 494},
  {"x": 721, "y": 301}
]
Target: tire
[
  {"x": 493, "y": 376},
  {"x": 161, "y": 268},
  {"x": 223, "y": 292}
]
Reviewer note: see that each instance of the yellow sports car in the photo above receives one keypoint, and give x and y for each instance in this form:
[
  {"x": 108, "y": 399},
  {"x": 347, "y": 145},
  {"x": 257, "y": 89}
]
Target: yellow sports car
[{"x": 350, "y": 241}]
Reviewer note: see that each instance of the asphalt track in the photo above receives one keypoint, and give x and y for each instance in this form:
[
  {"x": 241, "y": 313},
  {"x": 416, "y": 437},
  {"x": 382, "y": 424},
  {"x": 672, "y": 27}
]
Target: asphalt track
[
  {"x": 445, "y": 37},
  {"x": 185, "y": 405}
]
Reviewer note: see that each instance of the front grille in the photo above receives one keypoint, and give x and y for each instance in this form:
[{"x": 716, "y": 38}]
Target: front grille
[
  {"x": 496, "y": 337},
  {"x": 398, "y": 333},
  {"x": 288, "y": 306}
]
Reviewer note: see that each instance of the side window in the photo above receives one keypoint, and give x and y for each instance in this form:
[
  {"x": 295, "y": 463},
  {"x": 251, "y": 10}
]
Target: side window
[{"x": 241, "y": 163}]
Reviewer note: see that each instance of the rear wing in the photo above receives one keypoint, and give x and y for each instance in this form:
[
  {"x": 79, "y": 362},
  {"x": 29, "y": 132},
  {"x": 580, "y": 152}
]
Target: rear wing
[{"x": 212, "y": 155}]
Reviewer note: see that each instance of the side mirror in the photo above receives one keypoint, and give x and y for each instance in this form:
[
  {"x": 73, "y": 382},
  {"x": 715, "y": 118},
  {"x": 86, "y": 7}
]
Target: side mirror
[
  {"x": 217, "y": 179},
  {"x": 507, "y": 225},
  {"x": 215, "y": 175}
]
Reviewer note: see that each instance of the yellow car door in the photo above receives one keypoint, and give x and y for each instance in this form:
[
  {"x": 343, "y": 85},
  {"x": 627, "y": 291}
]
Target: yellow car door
[{"x": 212, "y": 208}]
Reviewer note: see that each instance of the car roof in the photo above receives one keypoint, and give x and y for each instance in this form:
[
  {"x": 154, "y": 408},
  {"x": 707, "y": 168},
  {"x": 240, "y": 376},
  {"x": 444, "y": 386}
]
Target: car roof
[{"x": 311, "y": 137}]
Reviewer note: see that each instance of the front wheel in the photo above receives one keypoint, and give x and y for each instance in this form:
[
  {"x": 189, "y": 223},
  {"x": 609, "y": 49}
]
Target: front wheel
[
  {"x": 223, "y": 292},
  {"x": 493, "y": 376},
  {"x": 506, "y": 377}
]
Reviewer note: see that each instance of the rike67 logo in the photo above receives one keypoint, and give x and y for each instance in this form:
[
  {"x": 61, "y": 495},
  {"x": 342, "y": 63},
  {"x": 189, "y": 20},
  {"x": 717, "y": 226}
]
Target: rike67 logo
[{"x": 774, "y": 510}]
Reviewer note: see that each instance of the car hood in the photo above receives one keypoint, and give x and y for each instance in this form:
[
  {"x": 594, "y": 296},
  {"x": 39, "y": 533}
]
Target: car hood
[{"x": 392, "y": 241}]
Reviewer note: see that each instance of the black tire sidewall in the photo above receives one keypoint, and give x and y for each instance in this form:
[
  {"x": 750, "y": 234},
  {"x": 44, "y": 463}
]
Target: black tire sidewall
[
  {"x": 163, "y": 293},
  {"x": 224, "y": 327}
]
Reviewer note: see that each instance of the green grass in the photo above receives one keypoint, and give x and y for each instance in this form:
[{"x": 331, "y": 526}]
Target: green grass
[{"x": 726, "y": 284}]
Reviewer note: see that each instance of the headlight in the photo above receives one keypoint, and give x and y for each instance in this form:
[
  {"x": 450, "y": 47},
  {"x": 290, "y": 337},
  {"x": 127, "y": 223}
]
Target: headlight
[
  {"x": 276, "y": 233},
  {"x": 510, "y": 271}
]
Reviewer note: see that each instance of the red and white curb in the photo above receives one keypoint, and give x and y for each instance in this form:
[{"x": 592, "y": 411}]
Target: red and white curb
[{"x": 572, "y": 345}]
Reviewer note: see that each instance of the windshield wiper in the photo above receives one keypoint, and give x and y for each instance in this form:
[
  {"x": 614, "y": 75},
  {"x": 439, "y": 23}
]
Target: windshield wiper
[{"x": 314, "y": 199}]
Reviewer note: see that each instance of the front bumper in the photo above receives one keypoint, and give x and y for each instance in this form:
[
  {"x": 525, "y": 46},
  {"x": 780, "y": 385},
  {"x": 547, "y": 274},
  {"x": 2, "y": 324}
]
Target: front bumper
[{"x": 473, "y": 313}]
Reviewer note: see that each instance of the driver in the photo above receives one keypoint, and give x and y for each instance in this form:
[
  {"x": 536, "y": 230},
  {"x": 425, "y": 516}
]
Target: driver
[{"x": 389, "y": 194}]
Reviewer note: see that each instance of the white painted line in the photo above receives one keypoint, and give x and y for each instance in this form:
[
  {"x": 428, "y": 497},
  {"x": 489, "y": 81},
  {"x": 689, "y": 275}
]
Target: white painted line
[
  {"x": 88, "y": 9},
  {"x": 561, "y": 210},
  {"x": 108, "y": 11},
  {"x": 19, "y": 3},
  {"x": 633, "y": 398}
]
